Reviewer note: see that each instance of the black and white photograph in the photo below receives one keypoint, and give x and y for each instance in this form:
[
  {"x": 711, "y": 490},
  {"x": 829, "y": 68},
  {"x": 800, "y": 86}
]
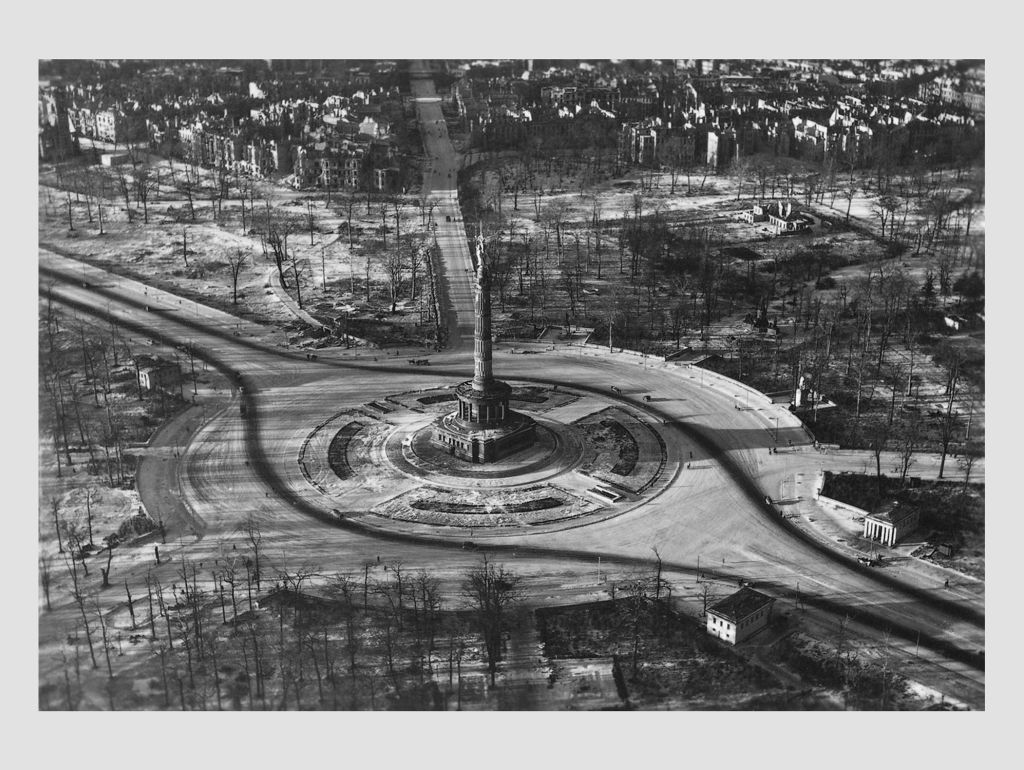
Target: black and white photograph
[{"x": 399, "y": 384}]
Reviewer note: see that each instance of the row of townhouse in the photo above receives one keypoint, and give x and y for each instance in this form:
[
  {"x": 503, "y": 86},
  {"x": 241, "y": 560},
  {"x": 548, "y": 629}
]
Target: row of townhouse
[
  {"x": 56, "y": 141},
  {"x": 722, "y": 138},
  {"x": 63, "y": 122},
  {"x": 328, "y": 167},
  {"x": 965, "y": 93},
  {"x": 311, "y": 163},
  {"x": 106, "y": 124},
  {"x": 253, "y": 156},
  {"x": 650, "y": 145},
  {"x": 588, "y": 127}
]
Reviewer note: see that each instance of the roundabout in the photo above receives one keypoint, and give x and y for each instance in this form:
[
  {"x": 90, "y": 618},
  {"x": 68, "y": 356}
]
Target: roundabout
[
  {"x": 330, "y": 461},
  {"x": 593, "y": 458},
  {"x": 336, "y": 462},
  {"x": 508, "y": 458}
]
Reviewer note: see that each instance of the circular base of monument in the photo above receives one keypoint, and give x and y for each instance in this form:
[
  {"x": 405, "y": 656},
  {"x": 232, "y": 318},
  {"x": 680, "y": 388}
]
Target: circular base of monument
[
  {"x": 484, "y": 442},
  {"x": 556, "y": 449},
  {"x": 589, "y": 458}
]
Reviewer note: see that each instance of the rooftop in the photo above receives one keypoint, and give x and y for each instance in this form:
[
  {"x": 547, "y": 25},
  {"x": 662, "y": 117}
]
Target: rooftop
[
  {"x": 741, "y": 604},
  {"x": 891, "y": 513}
]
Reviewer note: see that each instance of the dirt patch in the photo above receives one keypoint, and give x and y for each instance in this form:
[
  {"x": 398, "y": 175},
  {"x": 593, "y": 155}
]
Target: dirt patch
[
  {"x": 337, "y": 453},
  {"x": 539, "y": 504},
  {"x": 676, "y": 662},
  {"x": 440, "y": 398},
  {"x": 530, "y": 395},
  {"x": 864, "y": 682},
  {"x": 611, "y": 438}
]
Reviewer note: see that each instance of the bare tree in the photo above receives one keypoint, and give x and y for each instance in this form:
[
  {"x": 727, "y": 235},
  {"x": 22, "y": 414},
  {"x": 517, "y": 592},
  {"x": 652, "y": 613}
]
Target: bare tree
[
  {"x": 394, "y": 270},
  {"x": 310, "y": 219},
  {"x": 187, "y": 187},
  {"x": 491, "y": 591},
  {"x": 635, "y": 614},
  {"x": 970, "y": 455},
  {"x": 878, "y": 435},
  {"x": 45, "y": 578},
  {"x": 145, "y": 185},
  {"x": 907, "y": 446},
  {"x": 251, "y": 528},
  {"x": 299, "y": 269},
  {"x": 79, "y": 597},
  {"x": 105, "y": 571},
  {"x": 349, "y": 206},
  {"x": 125, "y": 187},
  {"x": 236, "y": 261},
  {"x": 55, "y": 508},
  {"x": 277, "y": 239}
]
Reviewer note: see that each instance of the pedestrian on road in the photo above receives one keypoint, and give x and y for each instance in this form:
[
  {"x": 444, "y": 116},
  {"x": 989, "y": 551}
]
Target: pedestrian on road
[
  {"x": 156, "y": 550},
  {"x": 946, "y": 583}
]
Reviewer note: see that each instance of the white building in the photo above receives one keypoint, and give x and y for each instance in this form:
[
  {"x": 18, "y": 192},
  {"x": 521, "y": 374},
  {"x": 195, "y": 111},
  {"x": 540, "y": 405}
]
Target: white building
[
  {"x": 739, "y": 616},
  {"x": 162, "y": 375},
  {"x": 888, "y": 525}
]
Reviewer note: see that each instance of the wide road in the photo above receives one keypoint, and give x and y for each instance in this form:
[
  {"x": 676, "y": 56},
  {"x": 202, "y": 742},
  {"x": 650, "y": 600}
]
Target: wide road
[
  {"x": 712, "y": 520},
  {"x": 236, "y": 467},
  {"x": 440, "y": 189}
]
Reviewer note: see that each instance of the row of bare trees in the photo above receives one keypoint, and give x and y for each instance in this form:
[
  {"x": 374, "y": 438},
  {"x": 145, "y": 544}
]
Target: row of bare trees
[
  {"x": 86, "y": 398},
  {"x": 242, "y": 633}
]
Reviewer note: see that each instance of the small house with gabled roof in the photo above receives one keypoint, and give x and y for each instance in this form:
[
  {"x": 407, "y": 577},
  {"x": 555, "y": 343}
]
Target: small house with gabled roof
[{"x": 740, "y": 615}]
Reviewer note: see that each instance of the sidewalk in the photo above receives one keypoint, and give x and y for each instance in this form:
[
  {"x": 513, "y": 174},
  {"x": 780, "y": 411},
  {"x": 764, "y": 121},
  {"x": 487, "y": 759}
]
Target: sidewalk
[
  {"x": 272, "y": 281},
  {"x": 157, "y": 479},
  {"x": 923, "y": 465}
]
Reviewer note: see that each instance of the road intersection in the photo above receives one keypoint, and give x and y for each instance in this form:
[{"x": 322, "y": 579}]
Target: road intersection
[{"x": 712, "y": 520}]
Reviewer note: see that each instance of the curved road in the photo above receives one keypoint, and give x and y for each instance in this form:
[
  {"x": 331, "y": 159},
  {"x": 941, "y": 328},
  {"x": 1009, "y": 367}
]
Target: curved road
[
  {"x": 230, "y": 471},
  {"x": 713, "y": 515}
]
